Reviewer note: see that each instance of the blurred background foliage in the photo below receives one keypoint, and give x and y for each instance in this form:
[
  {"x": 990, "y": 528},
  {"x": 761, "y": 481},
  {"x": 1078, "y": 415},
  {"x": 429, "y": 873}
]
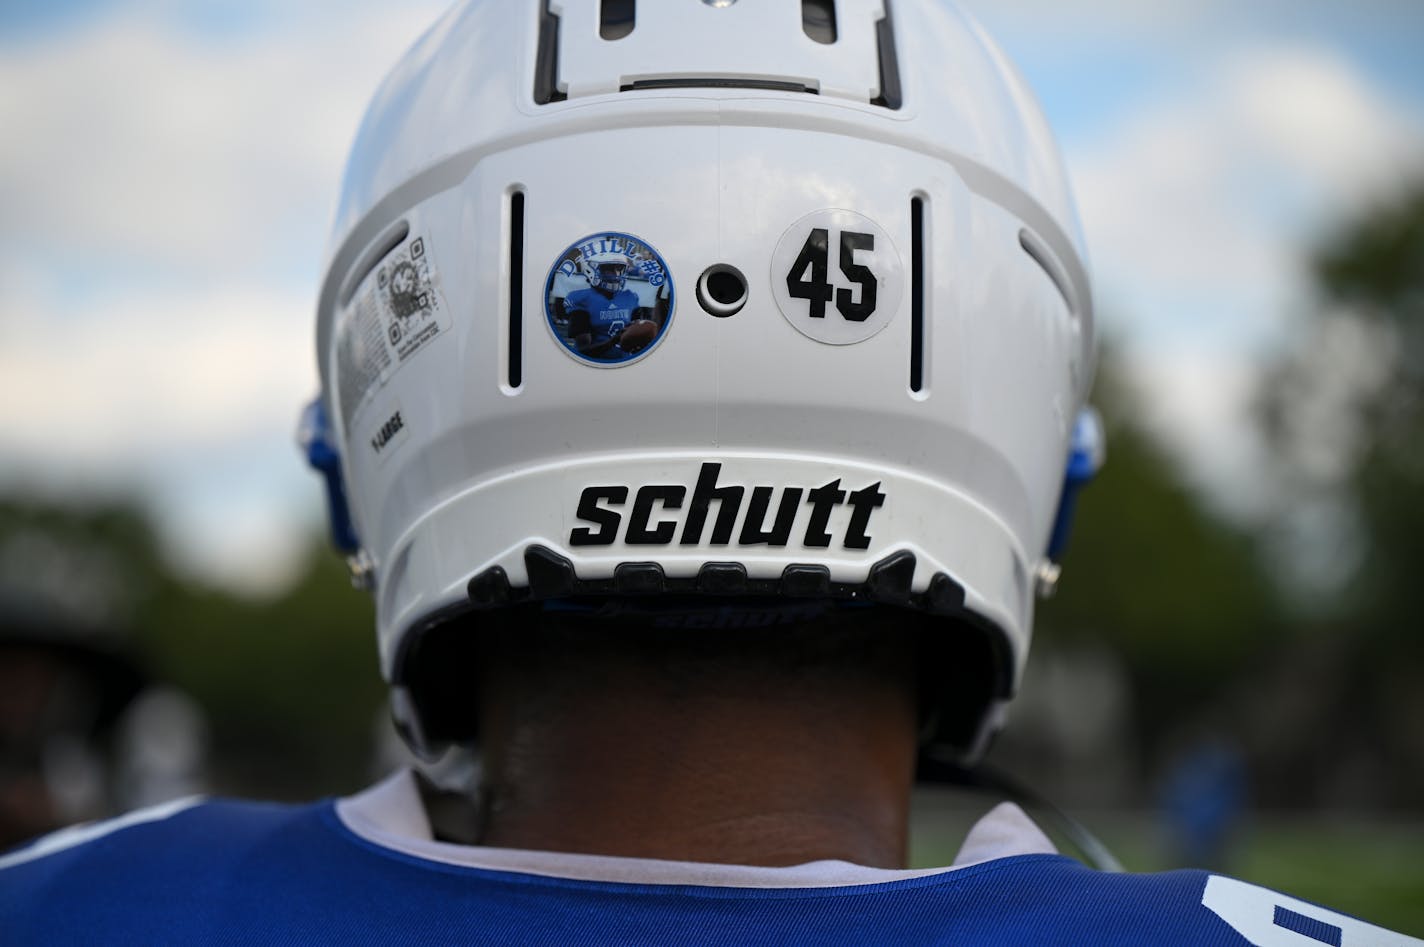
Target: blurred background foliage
[
  {"x": 291, "y": 685},
  {"x": 1293, "y": 643}
]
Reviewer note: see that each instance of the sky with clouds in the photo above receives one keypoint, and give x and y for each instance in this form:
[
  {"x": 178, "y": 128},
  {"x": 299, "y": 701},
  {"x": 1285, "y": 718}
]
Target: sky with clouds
[
  {"x": 171, "y": 168},
  {"x": 1212, "y": 146}
]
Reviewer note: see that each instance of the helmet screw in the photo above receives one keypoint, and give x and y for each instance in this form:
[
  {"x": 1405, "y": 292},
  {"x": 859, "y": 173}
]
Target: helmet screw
[
  {"x": 362, "y": 569},
  {"x": 1045, "y": 578}
]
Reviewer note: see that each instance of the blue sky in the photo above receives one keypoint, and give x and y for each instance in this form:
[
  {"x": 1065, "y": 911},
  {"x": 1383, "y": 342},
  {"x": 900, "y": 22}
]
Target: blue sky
[
  {"x": 171, "y": 169},
  {"x": 1092, "y": 65}
]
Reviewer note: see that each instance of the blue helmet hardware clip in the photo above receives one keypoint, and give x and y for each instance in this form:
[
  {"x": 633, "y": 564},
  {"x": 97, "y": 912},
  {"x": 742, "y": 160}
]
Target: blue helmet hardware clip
[
  {"x": 314, "y": 436},
  {"x": 1085, "y": 458}
]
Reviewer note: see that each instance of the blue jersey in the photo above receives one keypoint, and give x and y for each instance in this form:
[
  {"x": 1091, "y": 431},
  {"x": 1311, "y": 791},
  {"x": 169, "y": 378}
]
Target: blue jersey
[
  {"x": 247, "y": 873},
  {"x": 599, "y": 316}
]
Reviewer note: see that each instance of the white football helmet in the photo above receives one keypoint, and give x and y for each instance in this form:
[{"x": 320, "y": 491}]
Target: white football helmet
[
  {"x": 876, "y": 329},
  {"x": 607, "y": 271}
]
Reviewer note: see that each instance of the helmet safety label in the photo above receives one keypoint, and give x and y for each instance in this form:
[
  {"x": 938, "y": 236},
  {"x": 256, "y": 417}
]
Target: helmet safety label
[
  {"x": 396, "y": 312},
  {"x": 836, "y": 276},
  {"x": 609, "y": 299}
]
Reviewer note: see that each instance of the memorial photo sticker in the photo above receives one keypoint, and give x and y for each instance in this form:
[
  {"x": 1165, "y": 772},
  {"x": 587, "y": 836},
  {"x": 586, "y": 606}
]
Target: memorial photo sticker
[{"x": 609, "y": 299}]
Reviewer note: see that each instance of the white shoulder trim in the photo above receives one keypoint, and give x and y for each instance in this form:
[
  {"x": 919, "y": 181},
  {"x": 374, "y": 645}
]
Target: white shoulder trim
[
  {"x": 88, "y": 832},
  {"x": 1006, "y": 830},
  {"x": 390, "y": 815},
  {"x": 1270, "y": 919},
  {"x": 392, "y": 807}
]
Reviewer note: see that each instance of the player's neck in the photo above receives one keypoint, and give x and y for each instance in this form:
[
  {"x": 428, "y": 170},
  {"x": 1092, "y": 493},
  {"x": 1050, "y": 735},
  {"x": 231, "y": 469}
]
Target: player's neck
[{"x": 759, "y": 772}]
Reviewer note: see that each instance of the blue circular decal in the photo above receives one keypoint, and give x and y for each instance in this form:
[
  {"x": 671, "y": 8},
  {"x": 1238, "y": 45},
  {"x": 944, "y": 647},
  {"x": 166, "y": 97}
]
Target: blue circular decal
[{"x": 609, "y": 299}]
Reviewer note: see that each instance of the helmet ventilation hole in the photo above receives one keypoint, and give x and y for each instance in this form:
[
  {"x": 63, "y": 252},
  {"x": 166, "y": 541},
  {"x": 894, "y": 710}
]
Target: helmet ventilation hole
[
  {"x": 616, "y": 18},
  {"x": 546, "y": 62},
  {"x": 917, "y": 294},
  {"x": 818, "y": 20},
  {"x": 514, "y": 369},
  {"x": 722, "y": 290},
  {"x": 890, "y": 96}
]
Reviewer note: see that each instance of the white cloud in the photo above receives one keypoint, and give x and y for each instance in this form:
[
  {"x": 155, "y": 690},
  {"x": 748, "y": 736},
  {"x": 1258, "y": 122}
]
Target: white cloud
[
  {"x": 130, "y": 375},
  {"x": 1160, "y": 26},
  {"x": 188, "y": 398},
  {"x": 1220, "y": 193},
  {"x": 1308, "y": 116},
  {"x": 1201, "y": 213},
  {"x": 1044, "y": 20},
  {"x": 246, "y": 522},
  {"x": 167, "y": 191},
  {"x": 1199, "y": 401},
  {"x": 137, "y": 138}
]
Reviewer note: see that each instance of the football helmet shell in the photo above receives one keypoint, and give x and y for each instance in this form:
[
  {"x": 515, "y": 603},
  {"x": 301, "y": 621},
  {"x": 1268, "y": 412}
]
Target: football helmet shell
[{"x": 919, "y": 464}]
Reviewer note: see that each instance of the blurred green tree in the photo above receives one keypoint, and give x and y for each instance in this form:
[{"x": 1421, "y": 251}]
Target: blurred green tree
[
  {"x": 1376, "y": 271},
  {"x": 1344, "y": 413},
  {"x": 289, "y": 685},
  {"x": 1179, "y": 592}
]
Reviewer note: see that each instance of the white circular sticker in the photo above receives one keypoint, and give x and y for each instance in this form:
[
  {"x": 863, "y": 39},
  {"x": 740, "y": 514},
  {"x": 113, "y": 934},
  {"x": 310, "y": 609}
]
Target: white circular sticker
[{"x": 837, "y": 276}]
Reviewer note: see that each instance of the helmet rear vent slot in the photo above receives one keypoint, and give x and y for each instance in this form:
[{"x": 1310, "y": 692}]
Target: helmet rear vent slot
[
  {"x": 515, "y": 367},
  {"x": 546, "y": 60},
  {"x": 890, "y": 96},
  {"x": 616, "y": 18},
  {"x": 372, "y": 258},
  {"x": 917, "y": 294},
  {"x": 818, "y": 20},
  {"x": 1038, "y": 251}
]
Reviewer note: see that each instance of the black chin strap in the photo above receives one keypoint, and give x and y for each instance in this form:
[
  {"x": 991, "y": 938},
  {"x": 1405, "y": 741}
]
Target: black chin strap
[{"x": 989, "y": 779}]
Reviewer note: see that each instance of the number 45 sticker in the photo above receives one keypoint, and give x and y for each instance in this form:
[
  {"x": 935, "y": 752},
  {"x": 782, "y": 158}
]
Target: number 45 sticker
[{"x": 836, "y": 276}]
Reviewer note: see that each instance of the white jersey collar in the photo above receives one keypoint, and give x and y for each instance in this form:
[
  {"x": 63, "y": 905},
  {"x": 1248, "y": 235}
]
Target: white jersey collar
[{"x": 391, "y": 815}]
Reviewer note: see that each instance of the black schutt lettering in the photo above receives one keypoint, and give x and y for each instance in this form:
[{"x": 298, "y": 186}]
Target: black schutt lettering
[{"x": 657, "y": 509}]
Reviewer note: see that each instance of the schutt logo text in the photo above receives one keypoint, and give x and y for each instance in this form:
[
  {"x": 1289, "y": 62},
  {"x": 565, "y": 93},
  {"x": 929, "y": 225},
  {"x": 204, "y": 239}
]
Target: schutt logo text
[{"x": 662, "y": 514}]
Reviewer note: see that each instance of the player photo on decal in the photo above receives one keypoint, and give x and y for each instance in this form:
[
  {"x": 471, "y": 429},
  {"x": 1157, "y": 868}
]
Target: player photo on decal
[{"x": 609, "y": 298}]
